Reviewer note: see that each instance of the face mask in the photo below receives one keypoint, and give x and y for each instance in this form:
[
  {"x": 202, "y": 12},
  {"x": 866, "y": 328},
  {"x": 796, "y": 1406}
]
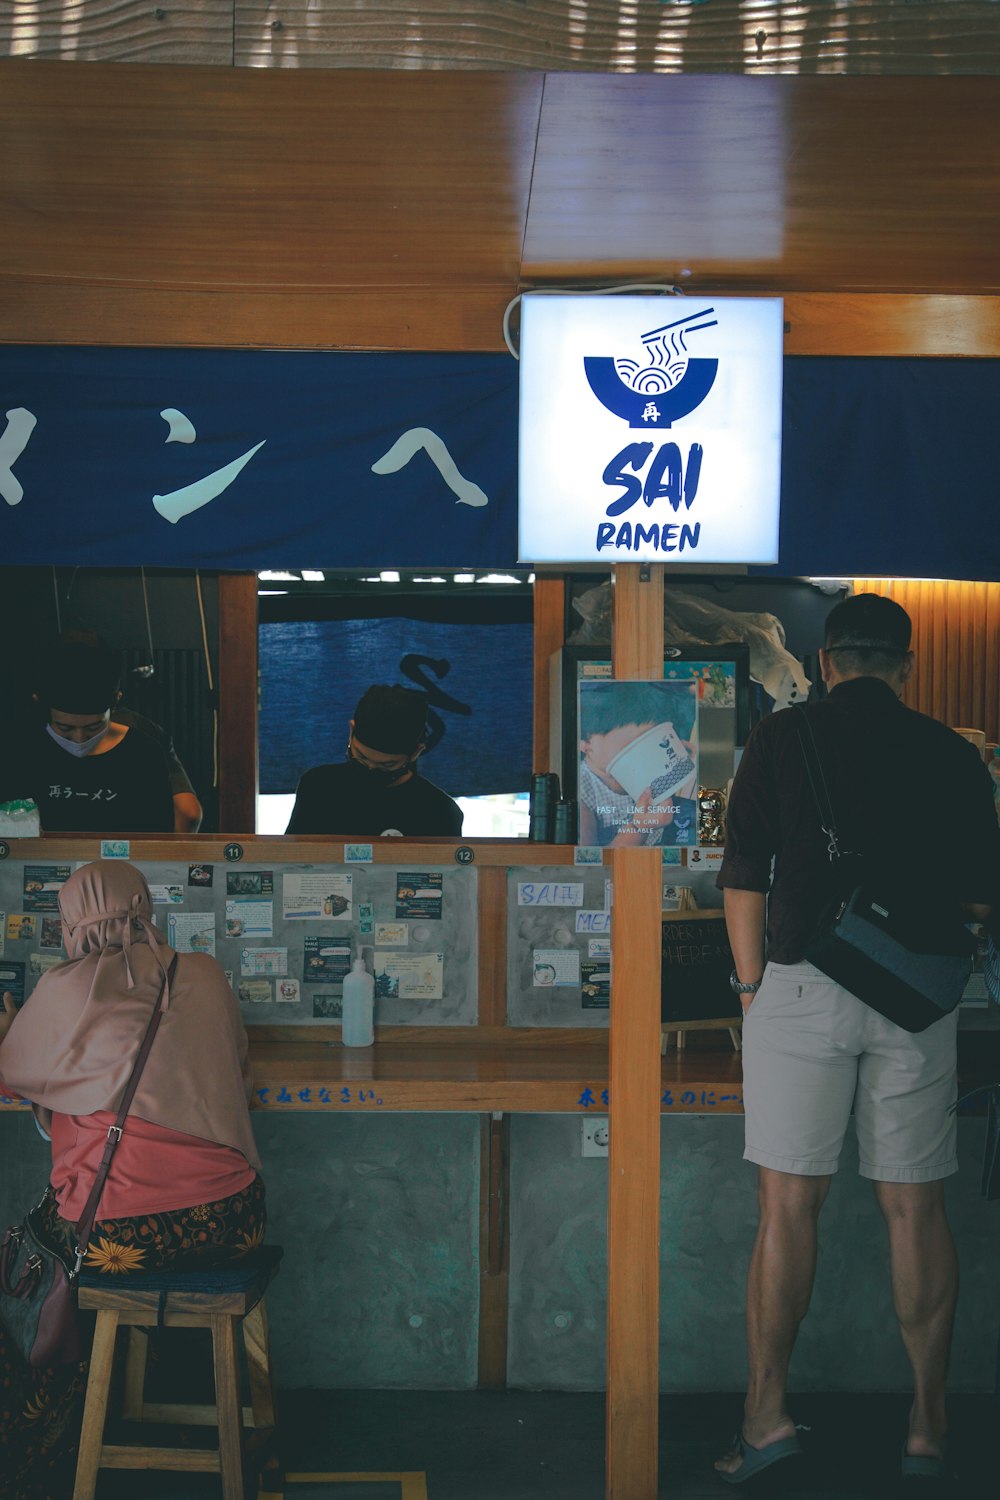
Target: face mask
[
  {"x": 71, "y": 747},
  {"x": 379, "y": 773}
]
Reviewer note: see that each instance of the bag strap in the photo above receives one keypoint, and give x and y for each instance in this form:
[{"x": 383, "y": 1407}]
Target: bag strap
[
  {"x": 817, "y": 782},
  {"x": 85, "y": 1224}
]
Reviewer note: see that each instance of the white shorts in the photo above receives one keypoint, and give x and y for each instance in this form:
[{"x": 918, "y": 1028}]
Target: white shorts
[{"x": 812, "y": 1052}]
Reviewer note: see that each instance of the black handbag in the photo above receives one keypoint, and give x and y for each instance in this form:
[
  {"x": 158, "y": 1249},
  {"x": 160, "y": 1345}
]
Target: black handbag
[
  {"x": 38, "y": 1306},
  {"x": 884, "y": 941}
]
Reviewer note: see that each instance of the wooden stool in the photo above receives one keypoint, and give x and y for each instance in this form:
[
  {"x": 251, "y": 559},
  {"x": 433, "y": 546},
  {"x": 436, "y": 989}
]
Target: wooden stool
[{"x": 221, "y": 1300}]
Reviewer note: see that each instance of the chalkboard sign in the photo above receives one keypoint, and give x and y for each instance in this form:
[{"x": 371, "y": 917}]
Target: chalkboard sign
[{"x": 695, "y": 964}]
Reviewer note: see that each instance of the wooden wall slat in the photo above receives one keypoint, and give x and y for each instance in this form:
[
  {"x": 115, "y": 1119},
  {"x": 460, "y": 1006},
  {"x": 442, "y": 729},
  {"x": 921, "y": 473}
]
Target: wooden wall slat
[
  {"x": 492, "y": 972},
  {"x": 956, "y": 641},
  {"x": 47, "y": 311},
  {"x": 747, "y": 36},
  {"x": 137, "y": 31}
]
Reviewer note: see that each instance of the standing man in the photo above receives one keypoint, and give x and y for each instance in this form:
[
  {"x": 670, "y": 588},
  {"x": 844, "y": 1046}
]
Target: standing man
[
  {"x": 377, "y": 789},
  {"x": 811, "y": 1050}
]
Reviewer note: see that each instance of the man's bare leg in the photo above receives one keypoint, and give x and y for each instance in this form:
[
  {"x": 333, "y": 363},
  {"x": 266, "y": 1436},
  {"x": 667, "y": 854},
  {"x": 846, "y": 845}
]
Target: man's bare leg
[
  {"x": 779, "y": 1286},
  {"x": 924, "y": 1269}
]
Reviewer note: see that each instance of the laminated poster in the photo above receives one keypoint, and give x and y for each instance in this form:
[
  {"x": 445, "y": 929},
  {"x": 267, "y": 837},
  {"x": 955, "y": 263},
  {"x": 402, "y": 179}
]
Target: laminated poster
[
  {"x": 202, "y": 875},
  {"x": 21, "y": 927},
  {"x": 287, "y": 991},
  {"x": 705, "y": 859},
  {"x": 392, "y": 934},
  {"x": 316, "y": 897},
  {"x": 249, "y": 882},
  {"x": 39, "y": 962},
  {"x": 638, "y": 770},
  {"x": 167, "y": 895},
  {"x": 409, "y": 976},
  {"x": 325, "y": 960},
  {"x": 12, "y": 978},
  {"x": 42, "y": 884},
  {"x": 420, "y": 895},
  {"x": 555, "y": 967},
  {"x": 51, "y": 933},
  {"x": 255, "y": 962},
  {"x": 249, "y": 918},
  {"x": 595, "y": 984},
  {"x": 255, "y": 991},
  {"x": 327, "y": 1007},
  {"x": 191, "y": 931}
]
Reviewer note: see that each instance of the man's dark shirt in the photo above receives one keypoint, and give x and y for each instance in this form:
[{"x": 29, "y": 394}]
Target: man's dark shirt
[
  {"x": 125, "y": 790},
  {"x": 347, "y": 799},
  {"x": 904, "y": 789}
]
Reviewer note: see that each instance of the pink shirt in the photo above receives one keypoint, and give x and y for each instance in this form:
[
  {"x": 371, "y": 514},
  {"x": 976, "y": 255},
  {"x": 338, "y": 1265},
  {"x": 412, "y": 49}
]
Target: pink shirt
[{"x": 153, "y": 1171}]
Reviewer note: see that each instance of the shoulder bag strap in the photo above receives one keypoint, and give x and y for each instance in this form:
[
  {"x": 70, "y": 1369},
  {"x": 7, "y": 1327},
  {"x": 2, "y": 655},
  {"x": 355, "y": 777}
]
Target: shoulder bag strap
[
  {"x": 817, "y": 782},
  {"x": 85, "y": 1225}
]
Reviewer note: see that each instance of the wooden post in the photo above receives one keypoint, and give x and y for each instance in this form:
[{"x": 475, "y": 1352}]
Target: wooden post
[
  {"x": 634, "y": 1111},
  {"x": 237, "y": 702},
  {"x": 550, "y": 632}
]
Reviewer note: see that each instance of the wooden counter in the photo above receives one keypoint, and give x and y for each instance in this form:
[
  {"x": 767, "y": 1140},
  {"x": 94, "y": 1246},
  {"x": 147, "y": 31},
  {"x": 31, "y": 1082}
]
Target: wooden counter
[{"x": 480, "y": 1078}]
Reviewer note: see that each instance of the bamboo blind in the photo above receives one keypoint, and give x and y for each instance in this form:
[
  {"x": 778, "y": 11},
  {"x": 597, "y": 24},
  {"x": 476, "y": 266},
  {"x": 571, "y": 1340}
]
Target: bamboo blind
[{"x": 956, "y": 640}]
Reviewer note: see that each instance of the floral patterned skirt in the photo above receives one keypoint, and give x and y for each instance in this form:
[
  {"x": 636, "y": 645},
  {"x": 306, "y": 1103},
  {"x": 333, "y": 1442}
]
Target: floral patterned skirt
[{"x": 41, "y": 1410}]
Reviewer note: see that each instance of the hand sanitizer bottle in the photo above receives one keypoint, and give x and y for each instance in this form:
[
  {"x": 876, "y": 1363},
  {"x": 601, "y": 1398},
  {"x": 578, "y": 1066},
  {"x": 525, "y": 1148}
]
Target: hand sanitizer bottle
[{"x": 358, "y": 1025}]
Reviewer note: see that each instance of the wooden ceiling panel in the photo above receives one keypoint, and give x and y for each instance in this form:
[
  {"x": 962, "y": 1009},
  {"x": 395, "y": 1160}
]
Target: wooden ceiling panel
[
  {"x": 217, "y": 177},
  {"x": 829, "y": 184},
  {"x": 159, "y": 205}
]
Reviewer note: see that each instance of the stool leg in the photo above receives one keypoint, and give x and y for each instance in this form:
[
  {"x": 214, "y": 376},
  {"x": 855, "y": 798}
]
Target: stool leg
[
  {"x": 96, "y": 1405},
  {"x": 135, "y": 1373},
  {"x": 255, "y": 1339},
  {"x": 228, "y": 1405}
]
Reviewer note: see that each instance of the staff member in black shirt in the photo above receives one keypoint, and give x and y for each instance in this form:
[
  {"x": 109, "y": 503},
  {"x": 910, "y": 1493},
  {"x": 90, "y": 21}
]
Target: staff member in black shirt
[
  {"x": 377, "y": 790},
  {"x": 86, "y": 772}
]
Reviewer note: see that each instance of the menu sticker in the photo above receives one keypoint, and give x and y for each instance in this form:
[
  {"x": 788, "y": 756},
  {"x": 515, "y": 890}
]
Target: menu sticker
[
  {"x": 325, "y": 960},
  {"x": 248, "y": 917},
  {"x": 555, "y": 967},
  {"x": 42, "y": 884},
  {"x": 191, "y": 931},
  {"x": 409, "y": 976},
  {"x": 420, "y": 895},
  {"x": 259, "y": 961},
  {"x": 316, "y": 897}
]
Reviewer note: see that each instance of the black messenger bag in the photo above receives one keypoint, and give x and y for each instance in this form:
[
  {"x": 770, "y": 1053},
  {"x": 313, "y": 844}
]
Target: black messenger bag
[{"x": 885, "y": 941}]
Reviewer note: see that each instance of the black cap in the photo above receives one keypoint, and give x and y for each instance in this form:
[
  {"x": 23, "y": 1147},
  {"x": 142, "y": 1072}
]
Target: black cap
[
  {"x": 79, "y": 678},
  {"x": 391, "y": 719},
  {"x": 868, "y": 622}
]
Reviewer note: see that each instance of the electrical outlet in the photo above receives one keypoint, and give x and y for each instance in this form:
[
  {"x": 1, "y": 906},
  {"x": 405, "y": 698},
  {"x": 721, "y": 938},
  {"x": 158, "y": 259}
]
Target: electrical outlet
[{"x": 595, "y": 1134}]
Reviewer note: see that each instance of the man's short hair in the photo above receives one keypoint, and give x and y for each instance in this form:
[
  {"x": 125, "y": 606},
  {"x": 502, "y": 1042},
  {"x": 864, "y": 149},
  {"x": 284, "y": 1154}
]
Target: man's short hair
[
  {"x": 391, "y": 719},
  {"x": 79, "y": 678},
  {"x": 869, "y": 633}
]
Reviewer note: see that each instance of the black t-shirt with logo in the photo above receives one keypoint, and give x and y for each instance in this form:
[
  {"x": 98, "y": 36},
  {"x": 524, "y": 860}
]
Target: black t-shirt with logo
[
  {"x": 347, "y": 799},
  {"x": 125, "y": 790}
]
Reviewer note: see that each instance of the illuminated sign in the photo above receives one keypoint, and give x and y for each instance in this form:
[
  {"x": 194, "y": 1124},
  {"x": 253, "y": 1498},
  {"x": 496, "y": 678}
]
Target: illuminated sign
[{"x": 650, "y": 429}]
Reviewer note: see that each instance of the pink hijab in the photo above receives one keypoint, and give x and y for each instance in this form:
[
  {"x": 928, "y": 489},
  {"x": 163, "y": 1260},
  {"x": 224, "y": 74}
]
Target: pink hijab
[{"x": 72, "y": 1046}]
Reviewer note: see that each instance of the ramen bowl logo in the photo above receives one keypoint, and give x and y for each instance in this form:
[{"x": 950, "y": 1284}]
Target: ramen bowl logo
[{"x": 666, "y": 386}]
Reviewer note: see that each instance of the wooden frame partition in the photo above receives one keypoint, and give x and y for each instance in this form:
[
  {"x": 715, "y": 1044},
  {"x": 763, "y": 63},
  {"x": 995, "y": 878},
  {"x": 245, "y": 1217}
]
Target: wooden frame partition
[{"x": 633, "y": 1342}]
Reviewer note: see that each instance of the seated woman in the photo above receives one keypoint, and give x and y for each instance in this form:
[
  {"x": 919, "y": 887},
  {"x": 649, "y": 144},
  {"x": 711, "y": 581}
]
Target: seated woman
[{"x": 184, "y": 1184}]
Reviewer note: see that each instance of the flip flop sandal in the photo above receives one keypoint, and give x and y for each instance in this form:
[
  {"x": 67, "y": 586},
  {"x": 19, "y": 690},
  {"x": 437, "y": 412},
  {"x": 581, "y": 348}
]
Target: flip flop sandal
[
  {"x": 755, "y": 1460},
  {"x": 924, "y": 1466}
]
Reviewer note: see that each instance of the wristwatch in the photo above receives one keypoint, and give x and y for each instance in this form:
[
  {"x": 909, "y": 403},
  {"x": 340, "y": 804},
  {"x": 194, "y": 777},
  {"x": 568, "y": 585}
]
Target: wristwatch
[{"x": 739, "y": 988}]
